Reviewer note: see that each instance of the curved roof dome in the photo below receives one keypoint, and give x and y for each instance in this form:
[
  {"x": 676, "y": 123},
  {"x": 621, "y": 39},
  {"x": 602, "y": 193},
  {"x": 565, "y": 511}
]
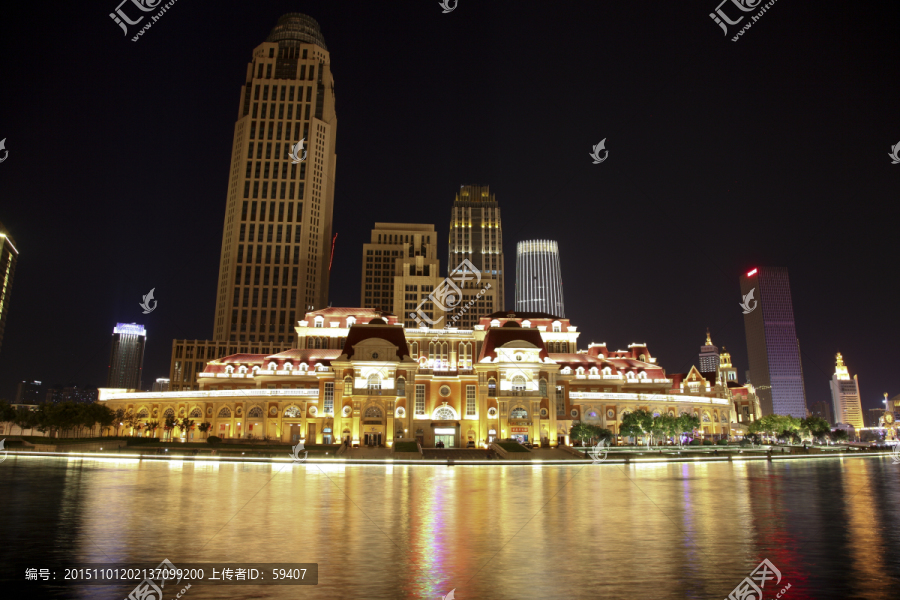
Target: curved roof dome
[
  {"x": 297, "y": 27},
  {"x": 511, "y": 324},
  {"x": 378, "y": 321}
]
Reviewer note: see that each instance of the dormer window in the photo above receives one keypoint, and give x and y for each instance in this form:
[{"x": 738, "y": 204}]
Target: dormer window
[
  {"x": 351, "y": 321},
  {"x": 273, "y": 366},
  {"x": 288, "y": 366},
  {"x": 518, "y": 383},
  {"x": 495, "y": 323},
  {"x": 643, "y": 358},
  {"x": 557, "y": 326},
  {"x": 320, "y": 321},
  {"x": 642, "y": 375},
  {"x": 242, "y": 369},
  {"x": 607, "y": 371},
  {"x": 304, "y": 367},
  {"x": 629, "y": 375},
  {"x": 526, "y": 323},
  {"x": 229, "y": 369}
]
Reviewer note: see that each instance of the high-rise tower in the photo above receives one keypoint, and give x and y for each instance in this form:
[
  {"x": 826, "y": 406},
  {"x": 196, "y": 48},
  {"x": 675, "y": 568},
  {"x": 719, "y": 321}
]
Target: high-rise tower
[
  {"x": 126, "y": 359},
  {"x": 845, "y": 396},
  {"x": 772, "y": 345},
  {"x": 539, "y": 278},
  {"x": 276, "y": 244},
  {"x": 9, "y": 255},
  {"x": 709, "y": 356},
  {"x": 476, "y": 236}
]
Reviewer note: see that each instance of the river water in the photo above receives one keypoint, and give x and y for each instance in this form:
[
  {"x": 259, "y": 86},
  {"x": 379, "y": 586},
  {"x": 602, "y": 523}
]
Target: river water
[{"x": 693, "y": 530}]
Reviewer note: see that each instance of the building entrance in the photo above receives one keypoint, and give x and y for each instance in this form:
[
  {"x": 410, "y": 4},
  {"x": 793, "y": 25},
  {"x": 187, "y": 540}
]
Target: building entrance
[
  {"x": 372, "y": 439},
  {"x": 446, "y": 439}
]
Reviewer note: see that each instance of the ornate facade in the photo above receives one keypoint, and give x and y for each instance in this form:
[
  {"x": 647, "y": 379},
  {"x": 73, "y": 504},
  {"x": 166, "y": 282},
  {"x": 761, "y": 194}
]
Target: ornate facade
[{"x": 361, "y": 376}]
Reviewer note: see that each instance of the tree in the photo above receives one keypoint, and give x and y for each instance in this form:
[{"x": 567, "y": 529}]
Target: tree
[
  {"x": 815, "y": 427},
  {"x": 120, "y": 419},
  {"x": 685, "y": 424},
  {"x": 665, "y": 426},
  {"x": 169, "y": 425},
  {"x": 186, "y": 425},
  {"x": 105, "y": 416},
  {"x": 602, "y": 433},
  {"x": 151, "y": 426},
  {"x": 580, "y": 431},
  {"x": 637, "y": 424},
  {"x": 130, "y": 421},
  {"x": 839, "y": 435},
  {"x": 7, "y": 413},
  {"x": 204, "y": 427}
]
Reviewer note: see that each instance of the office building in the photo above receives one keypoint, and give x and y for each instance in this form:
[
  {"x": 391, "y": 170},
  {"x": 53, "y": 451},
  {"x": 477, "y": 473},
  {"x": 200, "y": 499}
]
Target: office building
[
  {"x": 29, "y": 392},
  {"x": 845, "y": 399},
  {"x": 772, "y": 347},
  {"x": 71, "y": 393},
  {"x": 476, "y": 236},
  {"x": 539, "y": 278},
  {"x": 400, "y": 269},
  {"x": 9, "y": 255},
  {"x": 709, "y": 356},
  {"x": 276, "y": 241},
  {"x": 161, "y": 385},
  {"x": 126, "y": 358},
  {"x": 822, "y": 409}
]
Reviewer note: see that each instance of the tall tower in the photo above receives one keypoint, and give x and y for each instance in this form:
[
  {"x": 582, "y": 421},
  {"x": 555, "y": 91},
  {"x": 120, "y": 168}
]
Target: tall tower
[
  {"x": 539, "y": 278},
  {"x": 476, "y": 236},
  {"x": 727, "y": 372},
  {"x": 845, "y": 396},
  {"x": 276, "y": 243},
  {"x": 772, "y": 345},
  {"x": 400, "y": 268},
  {"x": 126, "y": 359},
  {"x": 709, "y": 356},
  {"x": 9, "y": 255}
]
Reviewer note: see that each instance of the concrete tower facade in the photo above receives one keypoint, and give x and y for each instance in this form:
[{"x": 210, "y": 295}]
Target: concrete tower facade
[
  {"x": 709, "y": 356},
  {"x": 845, "y": 399},
  {"x": 276, "y": 242},
  {"x": 772, "y": 346},
  {"x": 539, "y": 278},
  {"x": 476, "y": 235},
  {"x": 126, "y": 359}
]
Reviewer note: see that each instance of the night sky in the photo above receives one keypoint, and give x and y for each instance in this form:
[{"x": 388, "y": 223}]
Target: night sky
[{"x": 772, "y": 150}]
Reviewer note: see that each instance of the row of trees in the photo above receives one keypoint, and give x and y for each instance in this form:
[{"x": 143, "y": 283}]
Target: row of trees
[
  {"x": 640, "y": 424},
  {"x": 785, "y": 428},
  {"x": 81, "y": 419}
]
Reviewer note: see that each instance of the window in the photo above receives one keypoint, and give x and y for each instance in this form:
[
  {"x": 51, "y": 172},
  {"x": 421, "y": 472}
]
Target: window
[
  {"x": 470, "y": 400},
  {"x": 348, "y": 386},
  {"x": 543, "y": 388},
  {"x": 225, "y": 413},
  {"x": 444, "y": 413},
  {"x": 255, "y": 413},
  {"x": 329, "y": 397},
  {"x": 492, "y": 388},
  {"x": 518, "y": 413},
  {"x": 374, "y": 382},
  {"x": 292, "y": 412},
  {"x": 420, "y": 398},
  {"x": 518, "y": 383},
  {"x": 401, "y": 387},
  {"x": 373, "y": 412},
  {"x": 560, "y": 400}
]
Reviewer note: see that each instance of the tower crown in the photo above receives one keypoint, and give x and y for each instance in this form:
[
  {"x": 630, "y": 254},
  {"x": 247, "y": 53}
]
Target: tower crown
[{"x": 297, "y": 27}]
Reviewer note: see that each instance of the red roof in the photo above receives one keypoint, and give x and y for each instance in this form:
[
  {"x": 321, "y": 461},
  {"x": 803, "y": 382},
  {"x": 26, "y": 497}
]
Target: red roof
[
  {"x": 363, "y": 315},
  {"x": 391, "y": 333},
  {"x": 500, "y": 336}
]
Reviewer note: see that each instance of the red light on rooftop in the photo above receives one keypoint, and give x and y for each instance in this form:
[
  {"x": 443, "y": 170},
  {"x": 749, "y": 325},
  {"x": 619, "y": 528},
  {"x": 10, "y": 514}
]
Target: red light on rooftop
[{"x": 753, "y": 272}]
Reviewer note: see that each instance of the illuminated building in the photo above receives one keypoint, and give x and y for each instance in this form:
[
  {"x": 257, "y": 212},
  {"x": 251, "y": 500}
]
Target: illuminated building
[
  {"x": 71, "y": 393},
  {"x": 160, "y": 385},
  {"x": 400, "y": 268},
  {"x": 539, "y": 278},
  {"x": 29, "y": 392},
  {"x": 358, "y": 373},
  {"x": 709, "y": 356},
  {"x": 9, "y": 255},
  {"x": 477, "y": 236},
  {"x": 126, "y": 358},
  {"x": 772, "y": 346},
  {"x": 845, "y": 397}
]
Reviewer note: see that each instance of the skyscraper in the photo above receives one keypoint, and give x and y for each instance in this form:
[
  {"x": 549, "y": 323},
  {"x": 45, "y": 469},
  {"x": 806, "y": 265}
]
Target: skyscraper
[
  {"x": 772, "y": 345},
  {"x": 539, "y": 278},
  {"x": 709, "y": 356},
  {"x": 845, "y": 396},
  {"x": 29, "y": 392},
  {"x": 8, "y": 257},
  {"x": 276, "y": 242},
  {"x": 126, "y": 358},
  {"x": 400, "y": 268},
  {"x": 476, "y": 236}
]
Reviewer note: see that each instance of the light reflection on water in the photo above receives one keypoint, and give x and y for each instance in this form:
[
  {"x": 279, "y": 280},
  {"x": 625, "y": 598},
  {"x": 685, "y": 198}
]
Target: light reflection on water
[{"x": 691, "y": 530}]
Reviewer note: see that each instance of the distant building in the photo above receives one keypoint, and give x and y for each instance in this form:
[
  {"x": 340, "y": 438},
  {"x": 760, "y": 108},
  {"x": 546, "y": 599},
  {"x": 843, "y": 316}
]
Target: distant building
[
  {"x": 845, "y": 397},
  {"x": 872, "y": 416},
  {"x": 9, "y": 255},
  {"x": 161, "y": 385},
  {"x": 709, "y": 356},
  {"x": 476, "y": 235},
  {"x": 822, "y": 409},
  {"x": 400, "y": 268},
  {"x": 772, "y": 346},
  {"x": 539, "y": 278},
  {"x": 29, "y": 392},
  {"x": 71, "y": 393},
  {"x": 727, "y": 372},
  {"x": 126, "y": 358}
]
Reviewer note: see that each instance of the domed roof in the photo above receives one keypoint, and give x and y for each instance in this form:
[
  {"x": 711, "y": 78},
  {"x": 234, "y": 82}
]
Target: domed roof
[
  {"x": 378, "y": 321},
  {"x": 511, "y": 324},
  {"x": 297, "y": 27}
]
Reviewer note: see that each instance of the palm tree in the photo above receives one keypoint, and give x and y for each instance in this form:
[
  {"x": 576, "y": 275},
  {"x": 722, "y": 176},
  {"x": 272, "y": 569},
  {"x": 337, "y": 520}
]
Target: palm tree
[
  {"x": 204, "y": 428},
  {"x": 186, "y": 425}
]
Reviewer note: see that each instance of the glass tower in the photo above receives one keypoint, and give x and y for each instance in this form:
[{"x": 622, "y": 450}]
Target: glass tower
[
  {"x": 126, "y": 359},
  {"x": 772, "y": 345},
  {"x": 539, "y": 278}
]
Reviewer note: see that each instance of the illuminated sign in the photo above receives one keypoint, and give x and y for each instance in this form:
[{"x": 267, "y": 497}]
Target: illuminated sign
[
  {"x": 130, "y": 329},
  {"x": 753, "y": 272},
  {"x": 444, "y": 431}
]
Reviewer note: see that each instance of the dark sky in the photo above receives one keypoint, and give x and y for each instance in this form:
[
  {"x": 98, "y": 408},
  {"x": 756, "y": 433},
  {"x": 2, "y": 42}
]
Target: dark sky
[{"x": 772, "y": 150}]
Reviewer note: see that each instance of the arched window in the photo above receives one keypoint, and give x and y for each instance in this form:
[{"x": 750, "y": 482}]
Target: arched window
[
  {"x": 495, "y": 323},
  {"x": 526, "y": 323},
  {"x": 629, "y": 375},
  {"x": 414, "y": 350},
  {"x": 518, "y": 383},
  {"x": 557, "y": 326},
  {"x": 310, "y": 343},
  {"x": 255, "y": 413},
  {"x": 229, "y": 369},
  {"x": 168, "y": 413},
  {"x": 318, "y": 341},
  {"x": 196, "y": 413},
  {"x": 374, "y": 382},
  {"x": 518, "y": 413},
  {"x": 304, "y": 367},
  {"x": 242, "y": 369},
  {"x": 273, "y": 366},
  {"x": 444, "y": 413},
  {"x": 580, "y": 371},
  {"x": 643, "y": 358},
  {"x": 607, "y": 371},
  {"x": 401, "y": 387},
  {"x": 543, "y": 388},
  {"x": 594, "y": 371},
  {"x": 642, "y": 375},
  {"x": 225, "y": 413},
  {"x": 566, "y": 371},
  {"x": 492, "y": 388},
  {"x": 288, "y": 366},
  {"x": 348, "y": 386},
  {"x": 320, "y": 321},
  {"x": 143, "y": 414},
  {"x": 373, "y": 412}
]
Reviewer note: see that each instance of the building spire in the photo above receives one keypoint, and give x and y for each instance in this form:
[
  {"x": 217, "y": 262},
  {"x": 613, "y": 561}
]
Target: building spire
[
  {"x": 840, "y": 360},
  {"x": 708, "y": 339}
]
